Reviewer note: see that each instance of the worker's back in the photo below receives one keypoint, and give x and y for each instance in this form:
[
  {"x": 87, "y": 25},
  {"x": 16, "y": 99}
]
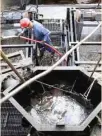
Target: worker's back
[{"x": 39, "y": 30}]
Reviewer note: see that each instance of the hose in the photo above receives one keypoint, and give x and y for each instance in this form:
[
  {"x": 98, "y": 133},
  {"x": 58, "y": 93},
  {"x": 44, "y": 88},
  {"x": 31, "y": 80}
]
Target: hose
[
  {"x": 25, "y": 38},
  {"x": 46, "y": 44},
  {"x": 48, "y": 70}
]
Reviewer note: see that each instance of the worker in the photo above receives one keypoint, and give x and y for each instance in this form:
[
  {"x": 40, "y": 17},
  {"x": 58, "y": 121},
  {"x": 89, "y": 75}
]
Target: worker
[{"x": 39, "y": 31}]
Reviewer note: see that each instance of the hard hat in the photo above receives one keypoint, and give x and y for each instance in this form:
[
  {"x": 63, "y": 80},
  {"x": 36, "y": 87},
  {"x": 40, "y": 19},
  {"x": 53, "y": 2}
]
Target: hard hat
[{"x": 24, "y": 22}]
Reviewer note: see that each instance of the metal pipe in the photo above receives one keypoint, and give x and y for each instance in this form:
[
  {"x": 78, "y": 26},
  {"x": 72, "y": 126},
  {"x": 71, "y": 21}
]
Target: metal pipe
[
  {"x": 48, "y": 70},
  {"x": 10, "y": 65},
  {"x": 78, "y": 54},
  {"x": 15, "y": 54},
  {"x": 73, "y": 56},
  {"x": 88, "y": 62},
  {"x": 18, "y": 46},
  {"x": 97, "y": 70},
  {"x": 9, "y": 70},
  {"x": 89, "y": 25},
  {"x": 37, "y": 6},
  {"x": 71, "y": 26},
  {"x": 5, "y": 65},
  {"x": 10, "y": 26},
  {"x": 8, "y": 37},
  {"x": 88, "y": 43},
  {"x": 24, "y": 46}
]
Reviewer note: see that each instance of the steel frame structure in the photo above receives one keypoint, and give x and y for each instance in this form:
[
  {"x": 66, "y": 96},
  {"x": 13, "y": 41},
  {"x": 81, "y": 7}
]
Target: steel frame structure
[
  {"x": 71, "y": 40},
  {"x": 74, "y": 30}
]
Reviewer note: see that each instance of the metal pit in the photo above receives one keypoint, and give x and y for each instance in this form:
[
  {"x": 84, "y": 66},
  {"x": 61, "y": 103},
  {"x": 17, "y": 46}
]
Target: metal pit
[{"x": 48, "y": 108}]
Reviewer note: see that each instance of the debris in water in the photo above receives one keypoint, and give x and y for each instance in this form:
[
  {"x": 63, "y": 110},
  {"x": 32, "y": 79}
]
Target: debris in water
[{"x": 60, "y": 110}]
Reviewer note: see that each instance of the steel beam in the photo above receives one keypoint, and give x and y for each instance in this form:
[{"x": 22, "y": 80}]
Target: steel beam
[
  {"x": 23, "y": 46},
  {"x": 78, "y": 6},
  {"x": 9, "y": 69},
  {"x": 18, "y": 46},
  {"x": 15, "y": 54},
  {"x": 6, "y": 65},
  {"x": 97, "y": 70},
  {"x": 88, "y": 25},
  {"x": 71, "y": 25},
  {"x": 10, "y": 65},
  {"x": 58, "y": 68},
  {"x": 10, "y": 26},
  {"x": 88, "y": 62},
  {"x": 87, "y": 43}
]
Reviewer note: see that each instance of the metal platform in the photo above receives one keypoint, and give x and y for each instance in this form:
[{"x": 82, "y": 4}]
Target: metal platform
[{"x": 11, "y": 121}]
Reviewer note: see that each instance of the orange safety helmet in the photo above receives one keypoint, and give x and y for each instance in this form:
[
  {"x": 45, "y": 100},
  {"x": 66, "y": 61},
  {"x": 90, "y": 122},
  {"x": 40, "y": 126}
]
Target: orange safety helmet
[{"x": 24, "y": 22}]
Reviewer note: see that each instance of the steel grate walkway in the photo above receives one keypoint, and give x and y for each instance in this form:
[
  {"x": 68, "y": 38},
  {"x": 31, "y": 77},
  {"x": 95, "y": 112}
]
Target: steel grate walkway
[{"x": 11, "y": 121}]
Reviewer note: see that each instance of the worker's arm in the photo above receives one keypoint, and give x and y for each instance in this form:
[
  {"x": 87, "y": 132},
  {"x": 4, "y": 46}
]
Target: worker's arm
[
  {"x": 45, "y": 32},
  {"x": 46, "y": 37}
]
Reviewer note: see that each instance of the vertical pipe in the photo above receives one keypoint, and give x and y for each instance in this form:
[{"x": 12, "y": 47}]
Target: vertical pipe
[
  {"x": 61, "y": 31},
  {"x": 71, "y": 26},
  {"x": 73, "y": 23},
  {"x": 68, "y": 23},
  {"x": 73, "y": 56},
  {"x": 37, "y": 6},
  {"x": 78, "y": 54},
  {"x": 74, "y": 35}
]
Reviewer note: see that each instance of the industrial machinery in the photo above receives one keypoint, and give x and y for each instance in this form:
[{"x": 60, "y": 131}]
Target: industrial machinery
[{"x": 44, "y": 100}]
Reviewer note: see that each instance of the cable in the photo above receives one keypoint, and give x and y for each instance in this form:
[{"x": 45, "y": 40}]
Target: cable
[
  {"x": 95, "y": 68},
  {"x": 87, "y": 92},
  {"x": 48, "y": 70},
  {"x": 51, "y": 86}
]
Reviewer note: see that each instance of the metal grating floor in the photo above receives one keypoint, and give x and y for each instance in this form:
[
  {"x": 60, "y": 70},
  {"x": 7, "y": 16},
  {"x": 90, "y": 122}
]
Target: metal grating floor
[{"x": 11, "y": 121}]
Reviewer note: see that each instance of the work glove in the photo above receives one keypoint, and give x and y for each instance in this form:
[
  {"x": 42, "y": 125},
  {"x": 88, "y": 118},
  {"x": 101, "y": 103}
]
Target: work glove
[
  {"x": 17, "y": 34},
  {"x": 20, "y": 33},
  {"x": 42, "y": 42}
]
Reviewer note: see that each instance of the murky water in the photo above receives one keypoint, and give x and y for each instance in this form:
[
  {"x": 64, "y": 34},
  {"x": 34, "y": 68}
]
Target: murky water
[
  {"x": 60, "y": 109},
  {"x": 57, "y": 109}
]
